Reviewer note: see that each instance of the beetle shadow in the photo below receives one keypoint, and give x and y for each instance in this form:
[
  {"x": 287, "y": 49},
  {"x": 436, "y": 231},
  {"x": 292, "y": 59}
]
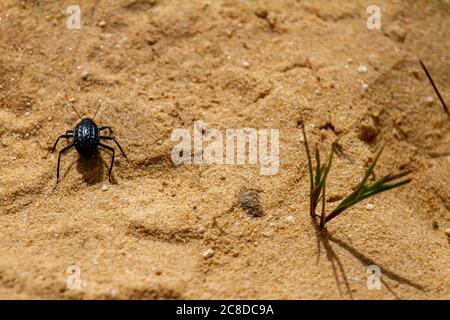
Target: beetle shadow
[
  {"x": 324, "y": 238},
  {"x": 92, "y": 168}
]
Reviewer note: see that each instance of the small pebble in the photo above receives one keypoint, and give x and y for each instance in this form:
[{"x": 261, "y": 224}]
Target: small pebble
[
  {"x": 84, "y": 74},
  {"x": 102, "y": 23},
  {"x": 364, "y": 86},
  {"x": 208, "y": 253},
  {"x": 429, "y": 100},
  {"x": 290, "y": 218},
  {"x": 370, "y": 206},
  {"x": 362, "y": 69},
  {"x": 201, "y": 229},
  {"x": 105, "y": 187},
  {"x": 261, "y": 13},
  {"x": 447, "y": 231},
  {"x": 245, "y": 64}
]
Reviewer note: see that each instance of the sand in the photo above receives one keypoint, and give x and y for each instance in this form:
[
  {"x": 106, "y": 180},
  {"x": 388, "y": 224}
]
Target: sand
[{"x": 184, "y": 232}]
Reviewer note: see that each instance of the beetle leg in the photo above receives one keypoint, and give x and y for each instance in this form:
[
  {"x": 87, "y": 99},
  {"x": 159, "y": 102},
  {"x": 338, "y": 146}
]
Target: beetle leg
[
  {"x": 114, "y": 139},
  {"x": 104, "y": 128},
  {"x": 70, "y": 134},
  {"x": 59, "y": 159},
  {"x": 62, "y": 136},
  {"x": 112, "y": 160}
]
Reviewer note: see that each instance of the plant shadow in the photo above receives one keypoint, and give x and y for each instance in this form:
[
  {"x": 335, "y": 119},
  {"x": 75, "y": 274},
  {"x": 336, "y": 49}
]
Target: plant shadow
[{"x": 324, "y": 238}]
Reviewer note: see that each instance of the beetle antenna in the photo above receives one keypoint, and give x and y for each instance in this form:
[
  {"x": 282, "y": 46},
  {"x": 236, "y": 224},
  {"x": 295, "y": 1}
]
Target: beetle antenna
[
  {"x": 73, "y": 107},
  {"x": 98, "y": 107},
  {"x": 435, "y": 88}
]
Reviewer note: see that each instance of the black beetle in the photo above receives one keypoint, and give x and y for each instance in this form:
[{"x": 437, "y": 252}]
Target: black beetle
[{"x": 86, "y": 138}]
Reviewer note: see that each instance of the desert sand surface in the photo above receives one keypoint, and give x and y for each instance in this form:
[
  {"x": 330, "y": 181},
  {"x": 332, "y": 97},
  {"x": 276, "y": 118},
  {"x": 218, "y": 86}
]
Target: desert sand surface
[{"x": 166, "y": 231}]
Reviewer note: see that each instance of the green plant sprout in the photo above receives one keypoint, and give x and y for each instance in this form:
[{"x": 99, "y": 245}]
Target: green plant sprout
[{"x": 361, "y": 192}]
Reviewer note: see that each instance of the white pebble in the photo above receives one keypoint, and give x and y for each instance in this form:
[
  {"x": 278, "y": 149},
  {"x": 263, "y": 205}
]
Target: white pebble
[
  {"x": 84, "y": 74},
  {"x": 429, "y": 100},
  {"x": 362, "y": 68},
  {"x": 245, "y": 64},
  {"x": 364, "y": 86},
  {"x": 201, "y": 229},
  {"x": 208, "y": 253},
  {"x": 447, "y": 231},
  {"x": 105, "y": 187},
  {"x": 370, "y": 206},
  {"x": 290, "y": 218},
  {"x": 102, "y": 23}
]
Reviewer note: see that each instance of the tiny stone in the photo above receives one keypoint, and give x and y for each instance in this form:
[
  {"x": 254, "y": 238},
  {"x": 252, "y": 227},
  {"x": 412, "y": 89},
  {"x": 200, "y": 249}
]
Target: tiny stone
[
  {"x": 105, "y": 187},
  {"x": 208, "y": 253},
  {"x": 249, "y": 200},
  {"x": 429, "y": 100},
  {"x": 364, "y": 86},
  {"x": 245, "y": 64},
  {"x": 448, "y": 158},
  {"x": 290, "y": 218},
  {"x": 72, "y": 100},
  {"x": 447, "y": 231},
  {"x": 201, "y": 230},
  {"x": 362, "y": 69},
  {"x": 261, "y": 13},
  {"x": 370, "y": 206},
  {"x": 374, "y": 61},
  {"x": 113, "y": 293},
  {"x": 84, "y": 74},
  {"x": 102, "y": 23}
]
